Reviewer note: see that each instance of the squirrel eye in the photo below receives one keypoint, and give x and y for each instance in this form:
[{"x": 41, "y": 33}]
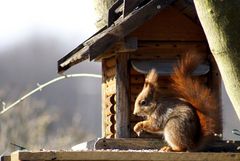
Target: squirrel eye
[{"x": 143, "y": 103}]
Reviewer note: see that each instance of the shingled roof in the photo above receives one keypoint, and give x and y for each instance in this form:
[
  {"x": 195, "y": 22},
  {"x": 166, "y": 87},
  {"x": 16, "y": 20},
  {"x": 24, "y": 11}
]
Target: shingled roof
[{"x": 120, "y": 24}]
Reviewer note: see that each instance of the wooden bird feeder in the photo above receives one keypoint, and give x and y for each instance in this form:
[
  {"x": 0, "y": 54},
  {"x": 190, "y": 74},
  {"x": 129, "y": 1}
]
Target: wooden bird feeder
[{"x": 142, "y": 34}]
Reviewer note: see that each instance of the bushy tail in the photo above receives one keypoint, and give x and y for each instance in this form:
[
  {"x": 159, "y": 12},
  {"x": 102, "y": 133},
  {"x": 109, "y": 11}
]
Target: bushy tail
[{"x": 196, "y": 93}]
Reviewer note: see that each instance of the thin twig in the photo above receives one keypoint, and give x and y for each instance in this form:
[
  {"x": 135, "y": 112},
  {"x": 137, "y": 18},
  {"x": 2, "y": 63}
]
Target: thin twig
[
  {"x": 18, "y": 146},
  {"x": 40, "y": 87}
]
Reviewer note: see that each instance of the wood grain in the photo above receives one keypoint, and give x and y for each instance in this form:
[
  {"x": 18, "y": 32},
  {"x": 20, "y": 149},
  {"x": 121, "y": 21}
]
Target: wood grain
[
  {"x": 123, "y": 95},
  {"x": 170, "y": 25},
  {"x": 111, "y": 62},
  {"x": 123, "y": 156}
]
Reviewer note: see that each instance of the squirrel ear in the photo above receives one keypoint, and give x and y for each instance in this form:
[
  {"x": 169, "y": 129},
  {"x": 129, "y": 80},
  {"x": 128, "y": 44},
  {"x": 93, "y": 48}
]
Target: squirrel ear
[{"x": 152, "y": 78}]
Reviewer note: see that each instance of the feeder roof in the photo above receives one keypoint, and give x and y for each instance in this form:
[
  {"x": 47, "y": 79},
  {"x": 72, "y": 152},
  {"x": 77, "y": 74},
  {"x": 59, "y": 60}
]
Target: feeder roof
[{"x": 121, "y": 22}]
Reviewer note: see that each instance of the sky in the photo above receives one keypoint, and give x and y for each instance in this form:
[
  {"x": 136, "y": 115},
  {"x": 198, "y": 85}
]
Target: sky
[{"x": 18, "y": 19}]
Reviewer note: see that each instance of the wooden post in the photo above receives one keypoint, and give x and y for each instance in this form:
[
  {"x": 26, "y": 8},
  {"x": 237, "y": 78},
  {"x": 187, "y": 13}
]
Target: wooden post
[
  {"x": 103, "y": 97},
  {"x": 123, "y": 96},
  {"x": 105, "y": 155}
]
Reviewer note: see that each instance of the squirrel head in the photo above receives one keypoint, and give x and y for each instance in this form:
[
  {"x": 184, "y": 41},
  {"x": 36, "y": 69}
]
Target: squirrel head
[{"x": 146, "y": 102}]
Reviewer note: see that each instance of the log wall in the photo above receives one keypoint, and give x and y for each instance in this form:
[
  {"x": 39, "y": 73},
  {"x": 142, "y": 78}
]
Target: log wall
[{"x": 109, "y": 97}]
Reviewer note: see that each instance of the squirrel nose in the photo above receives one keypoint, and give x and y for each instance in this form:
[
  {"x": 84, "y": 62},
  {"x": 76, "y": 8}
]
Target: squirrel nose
[{"x": 136, "y": 111}]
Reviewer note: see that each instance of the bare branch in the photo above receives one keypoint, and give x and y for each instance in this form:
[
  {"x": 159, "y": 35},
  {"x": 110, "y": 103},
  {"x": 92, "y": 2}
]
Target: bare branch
[{"x": 40, "y": 87}]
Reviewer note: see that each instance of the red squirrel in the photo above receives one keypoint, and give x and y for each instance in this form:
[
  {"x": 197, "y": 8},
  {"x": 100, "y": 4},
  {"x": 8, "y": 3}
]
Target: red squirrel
[{"x": 190, "y": 119}]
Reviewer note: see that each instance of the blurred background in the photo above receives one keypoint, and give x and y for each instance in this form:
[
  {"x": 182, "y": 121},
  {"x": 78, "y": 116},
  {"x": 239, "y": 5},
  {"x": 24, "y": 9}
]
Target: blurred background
[{"x": 34, "y": 35}]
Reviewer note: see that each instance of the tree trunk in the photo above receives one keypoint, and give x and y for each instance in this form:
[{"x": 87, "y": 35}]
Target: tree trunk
[{"x": 220, "y": 20}]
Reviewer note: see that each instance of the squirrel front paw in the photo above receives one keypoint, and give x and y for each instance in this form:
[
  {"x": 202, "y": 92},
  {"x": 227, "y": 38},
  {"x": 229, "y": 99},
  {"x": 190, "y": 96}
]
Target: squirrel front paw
[
  {"x": 138, "y": 128},
  {"x": 166, "y": 149}
]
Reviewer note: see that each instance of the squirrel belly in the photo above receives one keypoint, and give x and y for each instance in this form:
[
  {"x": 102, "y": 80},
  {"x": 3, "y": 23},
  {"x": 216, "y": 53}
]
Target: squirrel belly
[{"x": 189, "y": 119}]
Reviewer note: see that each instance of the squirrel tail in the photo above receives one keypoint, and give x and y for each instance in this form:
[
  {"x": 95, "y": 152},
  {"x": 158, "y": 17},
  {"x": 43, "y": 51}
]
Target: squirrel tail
[{"x": 196, "y": 93}]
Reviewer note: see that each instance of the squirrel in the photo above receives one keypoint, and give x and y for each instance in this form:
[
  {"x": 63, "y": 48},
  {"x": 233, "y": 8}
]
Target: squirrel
[{"x": 188, "y": 121}]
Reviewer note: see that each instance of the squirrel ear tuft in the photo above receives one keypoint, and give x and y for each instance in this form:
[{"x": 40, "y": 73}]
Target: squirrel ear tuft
[{"x": 152, "y": 77}]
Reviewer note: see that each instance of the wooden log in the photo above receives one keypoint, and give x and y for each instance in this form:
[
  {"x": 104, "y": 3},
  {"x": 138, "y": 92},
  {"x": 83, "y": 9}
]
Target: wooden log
[
  {"x": 127, "y": 143},
  {"x": 111, "y": 82},
  {"x": 162, "y": 81},
  {"x": 161, "y": 27},
  {"x": 111, "y": 62},
  {"x": 152, "y": 55},
  {"x": 132, "y": 109},
  {"x": 110, "y": 130},
  {"x": 109, "y": 79},
  {"x": 173, "y": 45},
  {"x": 156, "y": 54},
  {"x": 110, "y": 72},
  {"x": 162, "y": 54},
  {"x": 123, "y": 96},
  {"x": 133, "y": 99},
  {"x": 134, "y": 72},
  {"x": 110, "y": 108},
  {"x": 110, "y": 90},
  {"x": 151, "y": 143},
  {"x": 164, "y": 51},
  {"x": 136, "y": 89},
  {"x": 110, "y": 100},
  {"x": 109, "y": 136},
  {"x": 115, "y": 98},
  {"x": 137, "y": 80},
  {"x": 164, "y": 94},
  {"x": 109, "y": 111},
  {"x": 140, "y": 79},
  {"x": 110, "y": 119},
  {"x": 108, "y": 155}
]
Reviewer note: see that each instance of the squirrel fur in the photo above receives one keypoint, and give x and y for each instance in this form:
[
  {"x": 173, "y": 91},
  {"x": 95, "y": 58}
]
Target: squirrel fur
[{"x": 190, "y": 119}]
